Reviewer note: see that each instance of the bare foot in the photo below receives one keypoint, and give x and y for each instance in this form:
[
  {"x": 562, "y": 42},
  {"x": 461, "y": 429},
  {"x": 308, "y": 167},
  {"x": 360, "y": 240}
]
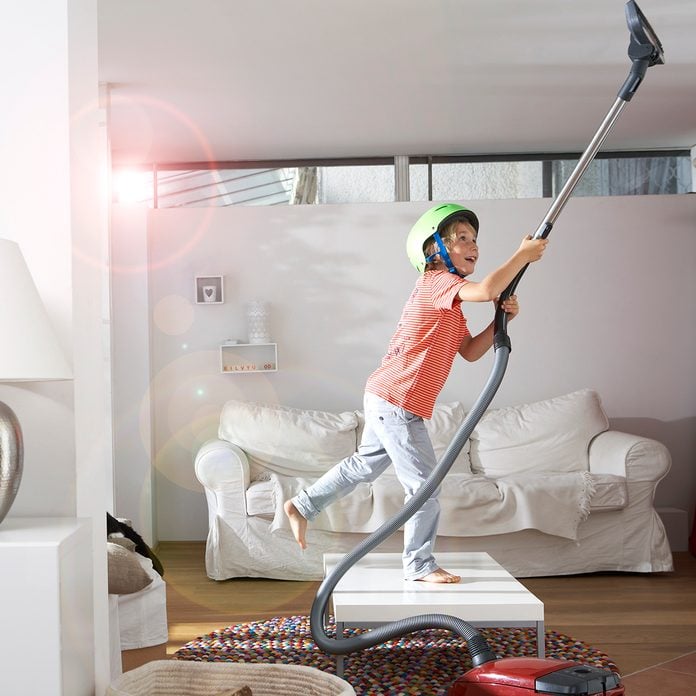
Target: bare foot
[
  {"x": 298, "y": 524},
  {"x": 441, "y": 576}
]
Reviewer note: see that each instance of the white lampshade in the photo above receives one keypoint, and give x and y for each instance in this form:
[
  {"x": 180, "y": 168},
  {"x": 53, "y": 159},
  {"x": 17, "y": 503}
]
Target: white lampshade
[{"x": 29, "y": 350}]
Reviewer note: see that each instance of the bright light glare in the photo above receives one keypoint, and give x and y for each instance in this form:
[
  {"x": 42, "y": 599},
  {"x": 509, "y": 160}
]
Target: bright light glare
[{"x": 132, "y": 186}]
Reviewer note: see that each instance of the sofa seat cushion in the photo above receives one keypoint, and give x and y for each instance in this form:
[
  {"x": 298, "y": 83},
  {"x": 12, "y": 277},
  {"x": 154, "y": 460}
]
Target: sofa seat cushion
[
  {"x": 610, "y": 492},
  {"x": 472, "y": 505},
  {"x": 548, "y": 436},
  {"x": 288, "y": 441}
]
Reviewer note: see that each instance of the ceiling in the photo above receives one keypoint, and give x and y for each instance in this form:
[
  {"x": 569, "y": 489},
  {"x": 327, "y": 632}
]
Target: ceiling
[{"x": 214, "y": 80}]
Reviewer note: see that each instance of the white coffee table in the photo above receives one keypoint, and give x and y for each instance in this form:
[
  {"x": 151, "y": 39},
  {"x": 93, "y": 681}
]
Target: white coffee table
[{"x": 374, "y": 592}]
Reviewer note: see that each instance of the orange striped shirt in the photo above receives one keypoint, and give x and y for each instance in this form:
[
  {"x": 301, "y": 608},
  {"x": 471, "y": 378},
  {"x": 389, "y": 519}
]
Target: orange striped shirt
[{"x": 421, "y": 352}]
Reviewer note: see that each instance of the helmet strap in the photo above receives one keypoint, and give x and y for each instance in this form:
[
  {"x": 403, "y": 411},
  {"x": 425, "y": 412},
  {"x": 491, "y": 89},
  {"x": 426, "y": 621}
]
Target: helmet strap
[{"x": 442, "y": 253}]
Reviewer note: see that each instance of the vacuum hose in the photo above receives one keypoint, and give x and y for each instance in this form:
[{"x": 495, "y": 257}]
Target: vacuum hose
[{"x": 478, "y": 647}]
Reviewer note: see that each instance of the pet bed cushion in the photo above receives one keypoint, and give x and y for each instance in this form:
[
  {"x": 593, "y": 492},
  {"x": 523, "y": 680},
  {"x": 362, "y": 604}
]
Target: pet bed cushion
[
  {"x": 142, "y": 615},
  {"x": 126, "y": 575}
]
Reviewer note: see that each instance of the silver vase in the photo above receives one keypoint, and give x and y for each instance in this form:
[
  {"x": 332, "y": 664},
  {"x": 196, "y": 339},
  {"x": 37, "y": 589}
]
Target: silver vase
[{"x": 11, "y": 458}]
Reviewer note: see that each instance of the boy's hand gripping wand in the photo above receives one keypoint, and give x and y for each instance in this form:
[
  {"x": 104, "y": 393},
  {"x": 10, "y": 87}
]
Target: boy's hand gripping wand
[{"x": 644, "y": 50}]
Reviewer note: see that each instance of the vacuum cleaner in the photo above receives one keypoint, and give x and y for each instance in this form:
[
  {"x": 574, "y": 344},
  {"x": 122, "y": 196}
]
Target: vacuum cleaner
[{"x": 490, "y": 675}]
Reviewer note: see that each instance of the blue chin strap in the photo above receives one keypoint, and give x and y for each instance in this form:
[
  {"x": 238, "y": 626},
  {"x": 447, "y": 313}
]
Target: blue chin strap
[{"x": 442, "y": 253}]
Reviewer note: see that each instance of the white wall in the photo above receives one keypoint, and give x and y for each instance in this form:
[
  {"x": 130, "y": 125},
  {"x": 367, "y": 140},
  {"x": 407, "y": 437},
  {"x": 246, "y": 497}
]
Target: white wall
[
  {"x": 607, "y": 308},
  {"x": 51, "y": 192},
  {"x": 33, "y": 138}
]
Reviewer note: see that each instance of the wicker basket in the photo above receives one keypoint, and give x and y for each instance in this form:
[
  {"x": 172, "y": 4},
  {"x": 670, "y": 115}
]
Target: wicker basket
[{"x": 186, "y": 678}]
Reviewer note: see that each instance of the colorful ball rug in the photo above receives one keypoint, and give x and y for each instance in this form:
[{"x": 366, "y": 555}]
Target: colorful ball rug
[{"x": 422, "y": 663}]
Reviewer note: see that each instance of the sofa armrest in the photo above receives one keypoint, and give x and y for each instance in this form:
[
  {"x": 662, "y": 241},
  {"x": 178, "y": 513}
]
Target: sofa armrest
[
  {"x": 223, "y": 470},
  {"x": 634, "y": 457}
]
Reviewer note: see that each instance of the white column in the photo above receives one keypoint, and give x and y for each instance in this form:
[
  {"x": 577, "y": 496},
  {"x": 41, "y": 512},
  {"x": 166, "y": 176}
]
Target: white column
[
  {"x": 133, "y": 448},
  {"x": 91, "y": 308}
]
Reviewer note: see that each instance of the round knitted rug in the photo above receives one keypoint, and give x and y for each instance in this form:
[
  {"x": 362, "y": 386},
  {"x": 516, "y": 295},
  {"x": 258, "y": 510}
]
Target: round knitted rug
[{"x": 426, "y": 662}]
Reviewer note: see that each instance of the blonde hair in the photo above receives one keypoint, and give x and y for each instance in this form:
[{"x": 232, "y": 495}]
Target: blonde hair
[{"x": 448, "y": 235}]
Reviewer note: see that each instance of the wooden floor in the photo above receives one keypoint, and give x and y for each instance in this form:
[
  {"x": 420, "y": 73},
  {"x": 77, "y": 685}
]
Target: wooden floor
[{"x": 639, "y": 620}]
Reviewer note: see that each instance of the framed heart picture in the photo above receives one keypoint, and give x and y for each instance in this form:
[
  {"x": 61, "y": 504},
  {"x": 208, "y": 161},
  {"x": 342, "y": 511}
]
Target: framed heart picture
[{"x": 209, "y": 290}]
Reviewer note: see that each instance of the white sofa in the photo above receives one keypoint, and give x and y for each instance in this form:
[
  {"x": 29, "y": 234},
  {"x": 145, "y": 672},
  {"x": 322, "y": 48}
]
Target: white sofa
[{"x": 546, "y": 488}]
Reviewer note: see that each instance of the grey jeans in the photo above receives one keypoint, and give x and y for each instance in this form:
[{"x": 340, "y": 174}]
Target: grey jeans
[{"x": 391, "y": 435}]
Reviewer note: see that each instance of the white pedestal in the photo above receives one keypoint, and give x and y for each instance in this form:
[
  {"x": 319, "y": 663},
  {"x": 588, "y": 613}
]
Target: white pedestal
[{"x": 46, "y": 607}]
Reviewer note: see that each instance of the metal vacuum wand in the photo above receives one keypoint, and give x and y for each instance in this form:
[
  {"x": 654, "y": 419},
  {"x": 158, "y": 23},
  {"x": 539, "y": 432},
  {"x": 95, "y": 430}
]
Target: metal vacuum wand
[{"x": 644, "y": 50}]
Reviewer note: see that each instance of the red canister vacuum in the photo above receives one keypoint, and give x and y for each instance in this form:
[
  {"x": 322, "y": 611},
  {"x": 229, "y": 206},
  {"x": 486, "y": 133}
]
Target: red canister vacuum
[
  {"x": 516, "y": 676},
  {"x": 490, "y": 675}
]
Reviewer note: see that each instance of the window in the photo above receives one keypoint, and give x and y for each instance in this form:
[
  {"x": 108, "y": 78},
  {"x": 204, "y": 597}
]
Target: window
[
  {"x": 356, "y": 184},
  {"x": 430, "y": 178},
  {"x": 627, "y": 176},
  {"x": 222, "y": 187},
  {"x": 477, "y": 180}
]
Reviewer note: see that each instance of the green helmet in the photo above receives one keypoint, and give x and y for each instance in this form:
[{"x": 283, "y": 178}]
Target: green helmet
[{"x": 432, "y": 221}]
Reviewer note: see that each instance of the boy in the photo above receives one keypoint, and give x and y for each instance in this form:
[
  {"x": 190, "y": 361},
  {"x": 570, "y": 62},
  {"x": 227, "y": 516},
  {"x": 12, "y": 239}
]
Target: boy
[{"x": 401, "y": 393}]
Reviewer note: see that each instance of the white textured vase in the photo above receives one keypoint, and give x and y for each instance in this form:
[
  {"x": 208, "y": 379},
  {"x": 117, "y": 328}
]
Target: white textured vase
[{"x": 257, "y": 319}]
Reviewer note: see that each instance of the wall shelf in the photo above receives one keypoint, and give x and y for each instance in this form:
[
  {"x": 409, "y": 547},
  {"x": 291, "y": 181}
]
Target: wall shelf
[
  {"x": 209, "y": 289},
  {"x": 236, "y": 358}
]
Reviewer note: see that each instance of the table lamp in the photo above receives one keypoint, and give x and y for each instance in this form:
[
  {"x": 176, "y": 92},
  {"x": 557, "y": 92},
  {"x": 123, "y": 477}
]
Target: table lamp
[{"x": 29, "y": 351}]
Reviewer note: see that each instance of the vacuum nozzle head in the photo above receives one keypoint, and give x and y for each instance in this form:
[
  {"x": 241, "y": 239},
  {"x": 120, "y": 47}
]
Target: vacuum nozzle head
[{"x": 644, "y": 41}]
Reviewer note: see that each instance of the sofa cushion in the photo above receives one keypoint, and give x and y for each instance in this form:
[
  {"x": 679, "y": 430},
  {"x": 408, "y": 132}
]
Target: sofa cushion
[
  {"x": 442, "y": 428},
  {"x": 471, "y": 505},
  {"x": 546, "y": 436},
  {"x": 288, "y": 441},
  {"x": 610, "y": 493},
  {"x": 260, "y": 498}
]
